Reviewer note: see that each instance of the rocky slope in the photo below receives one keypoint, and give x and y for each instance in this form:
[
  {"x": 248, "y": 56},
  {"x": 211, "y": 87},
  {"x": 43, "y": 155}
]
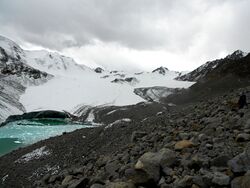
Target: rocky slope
[
  {"x": 202, "y": 71},
  {"x": 230, "y": 73},
  {"x": 205, "y": 144}
]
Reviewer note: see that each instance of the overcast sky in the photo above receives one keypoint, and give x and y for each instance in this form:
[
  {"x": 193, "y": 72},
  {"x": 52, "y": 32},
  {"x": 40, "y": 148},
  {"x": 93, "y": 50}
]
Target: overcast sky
[{"x": 130, "y": 34}]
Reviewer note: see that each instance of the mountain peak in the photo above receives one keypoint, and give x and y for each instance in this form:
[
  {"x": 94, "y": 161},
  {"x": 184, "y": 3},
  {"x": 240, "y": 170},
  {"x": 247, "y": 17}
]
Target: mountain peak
[
  {"x": 161, "y": 70},
  {"x": 236, "y": 55},
  {"x": 11, "y": 49},
  {"x": 98, "y": 70}
]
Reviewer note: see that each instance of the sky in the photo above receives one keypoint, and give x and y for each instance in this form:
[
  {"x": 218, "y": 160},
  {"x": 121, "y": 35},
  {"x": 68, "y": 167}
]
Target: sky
[{"x": 130, "y": 34}]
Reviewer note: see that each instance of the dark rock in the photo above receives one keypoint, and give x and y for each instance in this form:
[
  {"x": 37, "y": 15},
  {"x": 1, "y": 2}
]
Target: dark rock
[
  {"x": 187, "y": 181},
  {"x": 112, "y": 167},
  {"x": 140, "y": 178},
  {"x": 220, "y": 161},
  {"x": 83, "y": 182},
  {"x": 137, "y": 135},
  {"x": 243, "y": 137}
]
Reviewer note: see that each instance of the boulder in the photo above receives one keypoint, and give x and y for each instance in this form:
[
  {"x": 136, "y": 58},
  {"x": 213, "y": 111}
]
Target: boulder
[
  {"x": 151, "y": 163},
  {"x": 139, "y": 177},
  {"x": 241, "y": 182},
  {"x": 241, "y": 162}
]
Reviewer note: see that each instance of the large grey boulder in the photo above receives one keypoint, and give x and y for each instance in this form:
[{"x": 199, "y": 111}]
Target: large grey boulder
[
  {"x": 152, "y": 163},
  {"x": 241, "y": 182},
  {"x": 241, "y": 162}
]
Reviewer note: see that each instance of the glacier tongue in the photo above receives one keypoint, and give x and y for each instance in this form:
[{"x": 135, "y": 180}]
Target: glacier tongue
[{"x": 65, "y": 92}]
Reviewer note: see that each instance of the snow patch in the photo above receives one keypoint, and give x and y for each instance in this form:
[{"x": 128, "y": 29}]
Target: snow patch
[
  {"x": 91, "y": 116},
  {"x": 111, "y": 112},
  {"x": 34, "y": 155},
  {"x": 124, "y": 120},
  {"x": 4, "y": 178}
]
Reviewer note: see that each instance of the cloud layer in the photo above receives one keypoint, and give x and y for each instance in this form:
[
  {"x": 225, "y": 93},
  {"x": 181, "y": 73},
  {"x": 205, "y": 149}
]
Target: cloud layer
[{"x": 179, "y": 34}]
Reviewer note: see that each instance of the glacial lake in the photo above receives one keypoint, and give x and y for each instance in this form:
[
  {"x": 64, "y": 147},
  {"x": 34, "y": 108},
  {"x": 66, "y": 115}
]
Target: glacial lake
[{"x": 23, "y": 133}]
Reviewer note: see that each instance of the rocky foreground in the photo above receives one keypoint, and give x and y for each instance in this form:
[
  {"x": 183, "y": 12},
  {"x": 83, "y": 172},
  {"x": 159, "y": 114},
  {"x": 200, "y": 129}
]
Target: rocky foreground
[{"x": 206, "y": 144}]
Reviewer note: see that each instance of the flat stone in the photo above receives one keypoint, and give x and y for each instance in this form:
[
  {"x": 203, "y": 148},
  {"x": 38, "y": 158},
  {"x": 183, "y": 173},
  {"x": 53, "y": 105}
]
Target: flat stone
[
  {"x": 67, "y": 179},
  {"x": 120, "y": 185},
  {"x": 183, "y": 144}
]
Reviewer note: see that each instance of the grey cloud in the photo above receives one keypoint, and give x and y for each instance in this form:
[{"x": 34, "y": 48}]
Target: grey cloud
[{"x": 138, "y": 24}]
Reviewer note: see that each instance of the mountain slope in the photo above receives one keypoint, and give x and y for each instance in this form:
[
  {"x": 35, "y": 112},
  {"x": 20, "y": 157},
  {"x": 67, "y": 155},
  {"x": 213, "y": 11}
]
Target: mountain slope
[
  {"x": 202, "y": 71},
  {"x": 232, "y": 72}
]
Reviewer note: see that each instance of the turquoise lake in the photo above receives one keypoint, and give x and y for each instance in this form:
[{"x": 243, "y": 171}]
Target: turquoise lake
[{"x": 22, "y": 133}]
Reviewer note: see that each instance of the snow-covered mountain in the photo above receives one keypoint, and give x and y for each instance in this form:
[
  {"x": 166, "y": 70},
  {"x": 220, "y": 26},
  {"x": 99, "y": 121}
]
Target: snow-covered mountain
[
  {"x": 202, "y": 71},
  {"x": 50, "y": 81},
  {"x": 54, "y": 63},
  {"x": 15, "y": 76}
]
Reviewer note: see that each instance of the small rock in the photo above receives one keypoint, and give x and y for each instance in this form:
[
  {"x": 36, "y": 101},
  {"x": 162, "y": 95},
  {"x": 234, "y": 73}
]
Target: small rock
[
  {"x": 53, "y": 178},
  {"x": 120, "y": 185},
  {"x": 220, "y": 179},
  {"x": 67, "y": 179},
  {"x": 187, "y": 181},
  {"x": 79, "y": 183},
  {"x": 242, "y": 137},
  {"x": 137, "y": 135},
  {"x": 209, "y": 146},
  {"x": 183, "y": 144},
  {"x": 112, "y": 167},
  {"x": 97, "y": 185},
  {"x": 220, "y": 161}
]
